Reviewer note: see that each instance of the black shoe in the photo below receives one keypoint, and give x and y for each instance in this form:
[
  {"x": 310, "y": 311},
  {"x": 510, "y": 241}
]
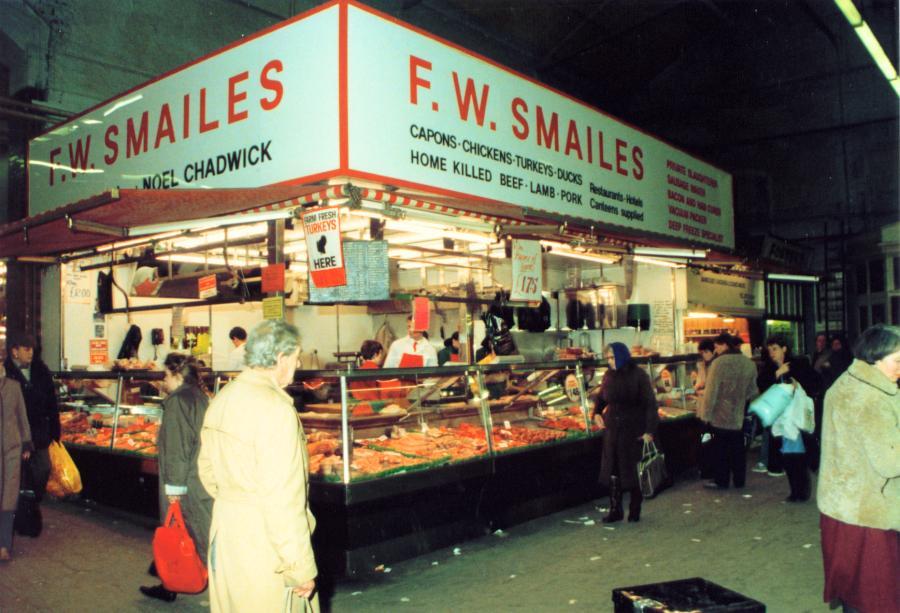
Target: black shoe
[
  {"x": 158, "y": 592},
  {"x": 613, "y": 516},
  {"x": 634, "y": 517},
  {"x": 712, "y": 485},
  {"x": 152, "y": 569}
]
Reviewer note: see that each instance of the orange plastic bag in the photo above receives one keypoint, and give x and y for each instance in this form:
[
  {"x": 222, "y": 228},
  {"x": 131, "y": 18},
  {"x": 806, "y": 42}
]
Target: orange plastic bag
[
  {"x": 64, "y": 476},
  {"x": 177, "y": 563}
]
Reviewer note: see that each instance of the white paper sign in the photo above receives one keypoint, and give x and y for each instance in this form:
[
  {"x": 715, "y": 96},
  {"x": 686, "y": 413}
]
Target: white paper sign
[
  {"x": 323, "y": 247},
  {"x": 78, "y": 287},
  {"x": 527, "y": 270}
]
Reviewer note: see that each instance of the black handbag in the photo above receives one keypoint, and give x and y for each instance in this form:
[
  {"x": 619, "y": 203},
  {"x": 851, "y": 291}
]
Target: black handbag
[{"x": 28, "y": 520}]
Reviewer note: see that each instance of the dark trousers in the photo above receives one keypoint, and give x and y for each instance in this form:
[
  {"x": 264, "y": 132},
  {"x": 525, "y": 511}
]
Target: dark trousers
[
  {"x": 39, "y": 465},
  {"x": 795, "y": 465},
  {"x": 774, "y": 462},
  {"x": 731, "y": 457}
]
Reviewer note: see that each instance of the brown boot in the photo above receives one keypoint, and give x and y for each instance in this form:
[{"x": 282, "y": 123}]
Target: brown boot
[{"x": 615, "y": 502}]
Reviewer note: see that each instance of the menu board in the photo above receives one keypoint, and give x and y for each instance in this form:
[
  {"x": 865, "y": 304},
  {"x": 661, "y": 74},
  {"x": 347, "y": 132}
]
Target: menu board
[{"x": 368, "y": 276}]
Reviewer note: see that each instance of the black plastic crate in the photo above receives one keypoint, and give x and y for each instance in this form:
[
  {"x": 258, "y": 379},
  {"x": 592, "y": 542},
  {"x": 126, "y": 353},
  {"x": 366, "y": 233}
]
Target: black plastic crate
[{"x": 695, "y": 595}]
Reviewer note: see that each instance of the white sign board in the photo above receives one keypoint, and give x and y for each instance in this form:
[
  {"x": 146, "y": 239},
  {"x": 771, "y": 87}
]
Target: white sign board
[
  {"x": 527, "y": 271},
  {"x": 723, "y": 293},
  {"x": 322, "y": 227},
  {"x": 260, "y": 112},
  {"x": 424, "y": 112},
  {"x": 79, "y": 287}
]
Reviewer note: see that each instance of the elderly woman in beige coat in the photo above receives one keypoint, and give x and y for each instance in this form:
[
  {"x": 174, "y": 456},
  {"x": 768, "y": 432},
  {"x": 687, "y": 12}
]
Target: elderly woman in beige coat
[
  {"x": 15, "y": 446},
  {"x": 859, "y": 478},
  {"x": 253, "y": 462}
]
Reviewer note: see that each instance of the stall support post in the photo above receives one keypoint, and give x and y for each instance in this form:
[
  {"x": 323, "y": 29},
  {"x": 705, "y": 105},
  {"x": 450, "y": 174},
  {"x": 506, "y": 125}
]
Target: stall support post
[
  {"x": 345, "y": 430},
  {"x": 486, "y": 418},
  {"x": 582, "y": 394},
  {"x": 115, "y": 427}
]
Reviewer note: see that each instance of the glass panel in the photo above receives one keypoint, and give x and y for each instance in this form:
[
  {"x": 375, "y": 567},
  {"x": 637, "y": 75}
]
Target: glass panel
[
  {"x": 87, "y": 405},
  {"x": 896, "y": 274},
  {"x": 878, "y": 314},
  {"x": 137, "y": 424},
  {"x": 861, "y": 278},
  {"x": 876, "y": 276},
  {"x": 895, "y": 310},
  {"x": 863, "y": 317}
]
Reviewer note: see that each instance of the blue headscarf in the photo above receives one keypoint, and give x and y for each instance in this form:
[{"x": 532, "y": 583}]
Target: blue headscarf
[{"x": 620, "y": 353}]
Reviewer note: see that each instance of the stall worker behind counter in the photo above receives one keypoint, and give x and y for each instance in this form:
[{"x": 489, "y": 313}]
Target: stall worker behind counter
[
  {"x": 450, "y": 352},
  {"x": 238, "y": 338},
  {"x": 372, "y": 354},
  {"x": 411, "y": 351}
]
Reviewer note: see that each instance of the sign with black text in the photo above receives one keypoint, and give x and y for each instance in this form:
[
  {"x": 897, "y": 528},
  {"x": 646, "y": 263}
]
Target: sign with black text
[
  {"x": 527, "y": 270},
  {"x": 325, "y": 257}
]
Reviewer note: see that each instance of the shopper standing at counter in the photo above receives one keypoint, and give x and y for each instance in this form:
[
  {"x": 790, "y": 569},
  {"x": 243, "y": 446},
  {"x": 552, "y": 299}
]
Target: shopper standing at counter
[
  {"x": 411, "y": 351},
  {"x": 15, "y": 447},
  {"x": 253, "y": 462},
  {"x": 859, "y": 479},
  {"x": 630, "y": 413},
  {"x": 179, "y": 446},
  {"x": 730, "y": 384},
  {"x": 40, "y": 403}
]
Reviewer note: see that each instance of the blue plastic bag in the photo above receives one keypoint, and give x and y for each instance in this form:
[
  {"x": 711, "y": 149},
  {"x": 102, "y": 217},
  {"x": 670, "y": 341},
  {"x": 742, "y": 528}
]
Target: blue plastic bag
[{"x": 772, "y": 403}]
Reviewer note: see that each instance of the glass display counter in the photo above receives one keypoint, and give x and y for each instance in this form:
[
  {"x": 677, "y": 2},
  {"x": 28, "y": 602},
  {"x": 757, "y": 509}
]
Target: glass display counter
[{"x": 402, "y": 461}]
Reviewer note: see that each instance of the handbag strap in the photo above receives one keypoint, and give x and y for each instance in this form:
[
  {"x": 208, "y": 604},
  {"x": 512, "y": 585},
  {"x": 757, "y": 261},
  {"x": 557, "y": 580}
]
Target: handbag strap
[{"x": 174, "y": 517}]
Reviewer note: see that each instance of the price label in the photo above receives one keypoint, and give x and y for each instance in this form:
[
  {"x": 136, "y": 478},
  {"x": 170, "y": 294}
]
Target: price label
[
  {"x": 527, "y": 270},
  {"x": 424, "y": 428},
  {"x": 506, "y": 424}
]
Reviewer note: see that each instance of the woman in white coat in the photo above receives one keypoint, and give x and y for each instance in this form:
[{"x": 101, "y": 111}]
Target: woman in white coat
[
  {"x": 15, "y": 446},
  {"x": 253, "y": 462}
]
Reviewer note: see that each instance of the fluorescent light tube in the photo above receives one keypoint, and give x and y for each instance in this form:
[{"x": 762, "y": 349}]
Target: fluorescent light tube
[
  {"x": 658, "y": 262},
  {"x": 670, "y": 252},
  {"x": 874, "y": 48},
  {"x": 785, "y": 277},
  {"x": 850, "y": 11}
]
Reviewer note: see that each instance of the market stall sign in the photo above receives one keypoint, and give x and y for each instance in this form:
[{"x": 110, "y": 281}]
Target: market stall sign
[
  {"x": 421, "y": 313},
  {"x": 527, "y": 270},
  {"x": 420, "y": 112},
  {"x": 79, "y": 286},
  {"x": 325, "y": 257},
  {"x": 273, "y": 307},
  {"x": 207, "y": 286},
  {"x": 723, "y": 293},
  {"x": 273, "y": 278},
  {"x": 255, "y": 113},
  {"x": 425, "y": 112},
  {"x": 98, "y": 350}
]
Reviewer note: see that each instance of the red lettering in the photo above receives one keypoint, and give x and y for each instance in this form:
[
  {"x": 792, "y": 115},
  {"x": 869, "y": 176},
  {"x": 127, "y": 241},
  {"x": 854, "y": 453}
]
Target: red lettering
[
  {"x": 204, "y": 125},
  {"x": 164, "y": 126},
  {"x": 519, "y": 106},
  {"x": 600, "y": 159},
  {"x": 572, "y": 142},
  {"x": 590, "y": 150},
  {"x": 273, "y": 85},
  {"x": 111, "y": 144},
  {"x": 234, "y": 97},
  {"x": 637, "y": 158},
  {"x": 186, "y": 127},
  {"x": 464, "y": 101},
  {"x": 53, "y": 154},
  {"x": 136, "y": 142},
  {"x": 78, "y": 157},
  {"x": 415, "y": 81},
  {"x": 547, "y": 134},
  {"x": 620, "y": 157}
]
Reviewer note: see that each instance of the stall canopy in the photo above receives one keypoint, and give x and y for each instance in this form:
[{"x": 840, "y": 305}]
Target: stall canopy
[{"x": 111, "y": 215}]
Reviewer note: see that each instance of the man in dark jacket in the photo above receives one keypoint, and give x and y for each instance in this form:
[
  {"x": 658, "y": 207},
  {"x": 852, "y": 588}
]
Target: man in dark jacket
[{"x": 40, "y": 404}]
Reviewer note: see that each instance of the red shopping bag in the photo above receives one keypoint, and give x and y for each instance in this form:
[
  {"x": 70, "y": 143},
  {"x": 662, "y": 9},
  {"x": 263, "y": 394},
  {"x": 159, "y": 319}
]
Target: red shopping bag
[{"x": 177, "y": 562}]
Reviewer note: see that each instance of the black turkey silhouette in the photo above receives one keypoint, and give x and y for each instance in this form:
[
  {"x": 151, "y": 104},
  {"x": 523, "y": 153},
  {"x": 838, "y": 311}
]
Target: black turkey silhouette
[{"x": 320, "y": 244}]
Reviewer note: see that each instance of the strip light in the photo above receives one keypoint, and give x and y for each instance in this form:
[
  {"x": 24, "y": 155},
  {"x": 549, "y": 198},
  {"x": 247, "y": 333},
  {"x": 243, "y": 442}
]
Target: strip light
[
  {"x": 565, "y": 251},
  {"x": 658, "y": 262},
  {"x": 784, "y": 277},
  {"x": 670, "y": 252},
  {"x": 864, "y": 32}
]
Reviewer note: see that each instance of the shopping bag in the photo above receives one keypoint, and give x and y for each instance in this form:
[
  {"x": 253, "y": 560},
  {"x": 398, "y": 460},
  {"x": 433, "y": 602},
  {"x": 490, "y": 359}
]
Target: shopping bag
[
  {"x": 64, "y": 475},
  {"x": 769, "y": 405},
  {"x": 177, "y": 563},
  {"x": 651, "y": 470}
]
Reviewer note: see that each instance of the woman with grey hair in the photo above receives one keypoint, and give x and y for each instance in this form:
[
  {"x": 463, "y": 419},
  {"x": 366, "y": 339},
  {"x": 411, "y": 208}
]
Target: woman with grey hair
[
  {"x": 859, "y": 478},
  {"x": 253, "y": 462}
]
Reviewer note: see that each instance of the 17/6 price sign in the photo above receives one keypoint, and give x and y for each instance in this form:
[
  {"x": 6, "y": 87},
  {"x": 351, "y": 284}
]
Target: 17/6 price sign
[{"x": 527, "y": 268}]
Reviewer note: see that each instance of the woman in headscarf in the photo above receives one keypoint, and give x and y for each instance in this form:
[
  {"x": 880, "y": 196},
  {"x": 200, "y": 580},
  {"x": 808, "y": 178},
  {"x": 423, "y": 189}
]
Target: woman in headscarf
[
  {"x": 629, "y": 410},
  {"x": 15, "y": 446}
]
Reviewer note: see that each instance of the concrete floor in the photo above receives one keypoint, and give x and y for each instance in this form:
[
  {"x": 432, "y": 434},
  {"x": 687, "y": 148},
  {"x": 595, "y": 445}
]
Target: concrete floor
[{"x": 748, "y": 541}]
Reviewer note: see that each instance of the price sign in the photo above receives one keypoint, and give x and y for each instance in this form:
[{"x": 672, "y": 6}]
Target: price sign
[
  {"x": 273, "y": 278},
  {"x": 527, "y": 271},
  {"x": 99, "y": 351},
  {"x": 273, "y": 308},
  {"x": 78, "y": 286},
  {"x": 323, "y": 247},
  {"x": 206, "y": 286}
]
